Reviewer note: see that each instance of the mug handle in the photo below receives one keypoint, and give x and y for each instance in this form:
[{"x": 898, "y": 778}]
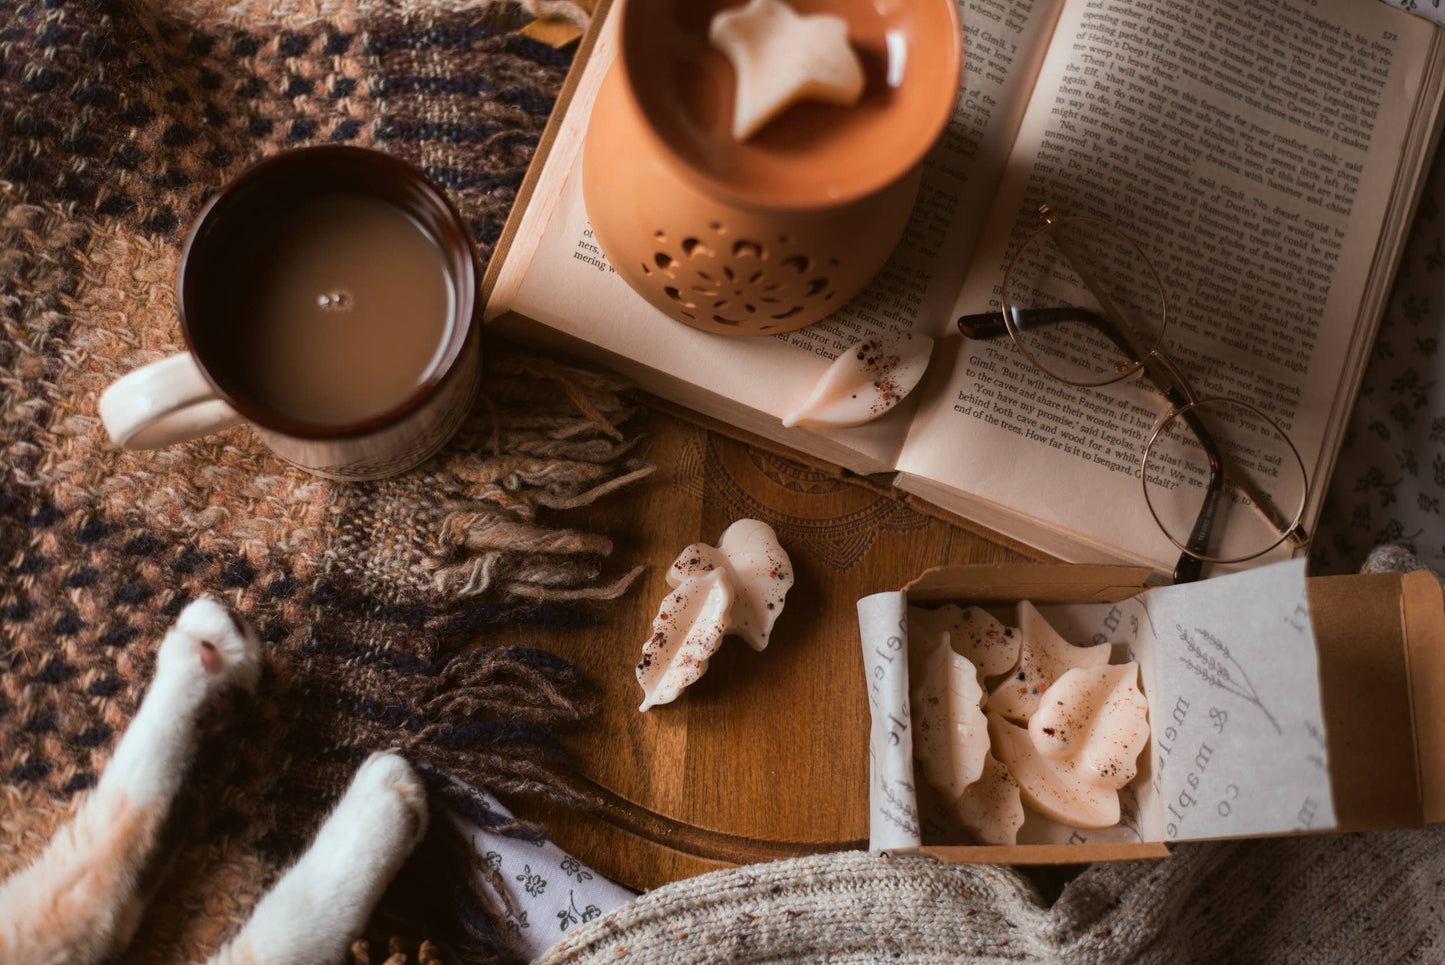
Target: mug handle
[{"x": 163, "y": 403}]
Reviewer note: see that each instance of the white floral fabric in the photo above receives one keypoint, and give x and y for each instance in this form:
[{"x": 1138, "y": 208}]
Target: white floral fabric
[
  {"x": 1429, "y": 9},
  {"x": 1389, "y": 483},
  {"x": 546, "y": 891}
]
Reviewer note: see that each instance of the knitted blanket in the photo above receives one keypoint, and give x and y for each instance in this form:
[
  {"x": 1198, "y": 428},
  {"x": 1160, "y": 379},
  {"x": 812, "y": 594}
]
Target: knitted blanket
[
  {"x": 1342, "y": 900},
  {"x": 384, "y": 608}
]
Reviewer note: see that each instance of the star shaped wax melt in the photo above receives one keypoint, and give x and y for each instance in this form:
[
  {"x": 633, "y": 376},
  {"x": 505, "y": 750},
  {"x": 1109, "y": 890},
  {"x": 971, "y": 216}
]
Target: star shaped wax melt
[
  {"x": 781, "y": 58},
  {"x": 1044, "y": 657}
]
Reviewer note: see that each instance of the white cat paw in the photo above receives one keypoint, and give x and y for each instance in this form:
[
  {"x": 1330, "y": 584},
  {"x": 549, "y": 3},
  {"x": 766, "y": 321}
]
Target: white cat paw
[
  {"x": 321, "y": 904},
  {"x": 209, "y": 638},
  {"x": 387, "y": 799}
]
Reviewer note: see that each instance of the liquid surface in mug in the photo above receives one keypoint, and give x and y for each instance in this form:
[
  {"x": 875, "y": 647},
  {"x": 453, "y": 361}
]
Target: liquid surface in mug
[{"x": 336, "y": 309}]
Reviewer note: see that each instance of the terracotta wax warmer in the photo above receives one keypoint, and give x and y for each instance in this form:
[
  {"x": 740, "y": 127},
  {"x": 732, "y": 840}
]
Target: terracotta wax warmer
[{"x": 773, "y": 233}]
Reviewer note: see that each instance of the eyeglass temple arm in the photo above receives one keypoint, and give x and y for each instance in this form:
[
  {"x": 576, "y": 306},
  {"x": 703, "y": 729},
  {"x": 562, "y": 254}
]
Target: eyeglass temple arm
[
  {"x": 1166, "y": 377},
  {"x": 983, "y": 326},
  {"x": 1161, "y": 370},
  {"x": 1191, "y": 563}
]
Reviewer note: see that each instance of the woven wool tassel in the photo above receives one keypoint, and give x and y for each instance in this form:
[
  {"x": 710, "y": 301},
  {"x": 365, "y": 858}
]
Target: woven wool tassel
[{"x": 527, "y": 453}]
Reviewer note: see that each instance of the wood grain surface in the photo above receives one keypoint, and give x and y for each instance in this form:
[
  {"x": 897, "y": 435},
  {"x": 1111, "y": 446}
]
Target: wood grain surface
[{"x": 766, "y": 755}]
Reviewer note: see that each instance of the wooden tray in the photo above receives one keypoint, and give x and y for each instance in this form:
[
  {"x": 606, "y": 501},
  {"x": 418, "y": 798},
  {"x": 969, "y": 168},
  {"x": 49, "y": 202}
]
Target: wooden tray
[{"x": 766, "y": 756}]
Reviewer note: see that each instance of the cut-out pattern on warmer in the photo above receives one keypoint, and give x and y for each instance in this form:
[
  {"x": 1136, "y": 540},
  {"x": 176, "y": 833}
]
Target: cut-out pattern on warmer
[{"x": 740, "y": 285}]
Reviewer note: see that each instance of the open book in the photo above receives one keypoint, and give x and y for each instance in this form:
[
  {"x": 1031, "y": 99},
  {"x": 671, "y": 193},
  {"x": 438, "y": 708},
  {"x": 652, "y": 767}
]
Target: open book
[{"x": 1267, "y": 154}]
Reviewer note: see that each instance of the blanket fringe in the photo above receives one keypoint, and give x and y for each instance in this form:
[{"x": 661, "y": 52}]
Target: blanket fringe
[{"x": 545, "y": 437}]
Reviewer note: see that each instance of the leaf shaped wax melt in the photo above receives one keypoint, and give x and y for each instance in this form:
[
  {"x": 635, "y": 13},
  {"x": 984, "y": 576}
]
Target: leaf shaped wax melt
[
  {"x": 990, "y": 808},
  {"x": 989, "y": 645},
  {"x": 736, "y": 587},
  {"x": 1098, "y": 717},
  {"x": 1056, "y": 789},
  {"x": 759, "y": 573},
  {"x": 950, "y": 731},
  {"x": 1044, "y": 657},
  {"x": 865, "y": 381},
  {"x": 685, "y": 634}
]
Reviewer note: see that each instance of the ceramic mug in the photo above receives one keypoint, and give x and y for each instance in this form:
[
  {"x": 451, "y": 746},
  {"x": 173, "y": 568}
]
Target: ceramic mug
[{"x": 215, "y": 384}]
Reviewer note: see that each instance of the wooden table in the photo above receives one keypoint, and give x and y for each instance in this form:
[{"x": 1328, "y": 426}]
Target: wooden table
[{"x": 766, "y": 756}]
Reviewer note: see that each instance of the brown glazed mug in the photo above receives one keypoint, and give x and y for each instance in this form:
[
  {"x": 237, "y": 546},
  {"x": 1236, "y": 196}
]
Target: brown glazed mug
[
  {"x": 206, "y": 389},
  {"x": 776, "y": 232}
]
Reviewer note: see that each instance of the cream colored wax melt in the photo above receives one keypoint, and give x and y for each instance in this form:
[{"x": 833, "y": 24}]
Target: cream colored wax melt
[
  {"x": 686, "y": 632},
  {"x": 1043, "y": 658},
  {"x": 866, "y": 380},
  {"x": 758, "y": 570},
  {"x": 1086, "y": 721},
  {"x": 1097, "y": 717},
  {"x": 991, "y": 808},
  {"x": 1056, "y": 789},
  {"x": 736, "y": 587},
  {"x": 989, "y": 645},
  {"x": 951, "y": 734},
  {"x": 781, "y": 58}
]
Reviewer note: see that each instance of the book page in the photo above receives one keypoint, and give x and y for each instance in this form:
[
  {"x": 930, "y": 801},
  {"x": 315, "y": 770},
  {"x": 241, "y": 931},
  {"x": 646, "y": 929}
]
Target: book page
[
  {"x": 1253, "y": 149},
  {"x": 569, "y": 287}
]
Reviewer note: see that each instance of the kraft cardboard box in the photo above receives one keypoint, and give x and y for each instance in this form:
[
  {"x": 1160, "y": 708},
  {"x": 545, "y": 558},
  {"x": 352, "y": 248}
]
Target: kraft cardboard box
[{"x": 1330, "y": 715}]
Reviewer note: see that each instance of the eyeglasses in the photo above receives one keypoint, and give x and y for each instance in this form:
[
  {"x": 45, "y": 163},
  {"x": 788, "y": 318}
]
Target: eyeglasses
[{"x": 1086, "y": 307}]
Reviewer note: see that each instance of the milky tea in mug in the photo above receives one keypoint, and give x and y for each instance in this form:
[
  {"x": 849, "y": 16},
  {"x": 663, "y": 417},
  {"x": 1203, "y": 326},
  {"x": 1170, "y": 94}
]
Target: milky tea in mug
[{"x": 327, "y": 297}]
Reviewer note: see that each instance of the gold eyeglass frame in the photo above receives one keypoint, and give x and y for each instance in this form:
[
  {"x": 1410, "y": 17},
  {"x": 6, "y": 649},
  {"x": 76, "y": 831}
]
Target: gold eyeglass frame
[{"x": 1166, "y": 376}]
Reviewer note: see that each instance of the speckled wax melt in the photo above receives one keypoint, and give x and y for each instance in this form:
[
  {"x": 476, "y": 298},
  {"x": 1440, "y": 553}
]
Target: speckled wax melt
[
  {"x": 686, "y": 632},
  {"x": 1097, "y": 717},
  {"x": 737, "y": 587},
  {"x": 950, "y": 734},
  {"x": 1043, "y": 658},
  {"x": 1064, "y": 727},
  {"x": 865, "y": 381},
  {"x": 1055, "y": 789},
  {"x": 991, "y": 808},
  {"x": 990, "y": 646}
]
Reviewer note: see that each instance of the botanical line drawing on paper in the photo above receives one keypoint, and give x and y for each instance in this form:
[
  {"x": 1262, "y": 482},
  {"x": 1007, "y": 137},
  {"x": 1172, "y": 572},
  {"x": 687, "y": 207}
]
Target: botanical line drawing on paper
[
  {"x": 1212, "y": 662},
  {"x": 904, "y": 815}
]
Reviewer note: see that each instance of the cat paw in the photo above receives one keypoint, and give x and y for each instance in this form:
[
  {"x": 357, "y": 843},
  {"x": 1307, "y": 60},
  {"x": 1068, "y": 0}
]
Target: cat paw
[
  {"x": 208, "y": 637},
  {"x": 389, "y": 798},
  {"x": 320, "y": 906}
]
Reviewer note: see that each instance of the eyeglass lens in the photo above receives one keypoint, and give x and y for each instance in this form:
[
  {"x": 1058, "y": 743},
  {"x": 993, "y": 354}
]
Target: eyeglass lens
[
  {"x": 1226, "y": 460},
  {"x": 1083, "y": 302}
]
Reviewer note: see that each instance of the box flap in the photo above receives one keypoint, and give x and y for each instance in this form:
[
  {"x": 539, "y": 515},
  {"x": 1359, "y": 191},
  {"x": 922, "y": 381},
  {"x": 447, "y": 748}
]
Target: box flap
[
  {"x": 1040, "y": 583},
  {"x": 1422, "y": 610},
  {"x": 1364, "y": 688}
]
